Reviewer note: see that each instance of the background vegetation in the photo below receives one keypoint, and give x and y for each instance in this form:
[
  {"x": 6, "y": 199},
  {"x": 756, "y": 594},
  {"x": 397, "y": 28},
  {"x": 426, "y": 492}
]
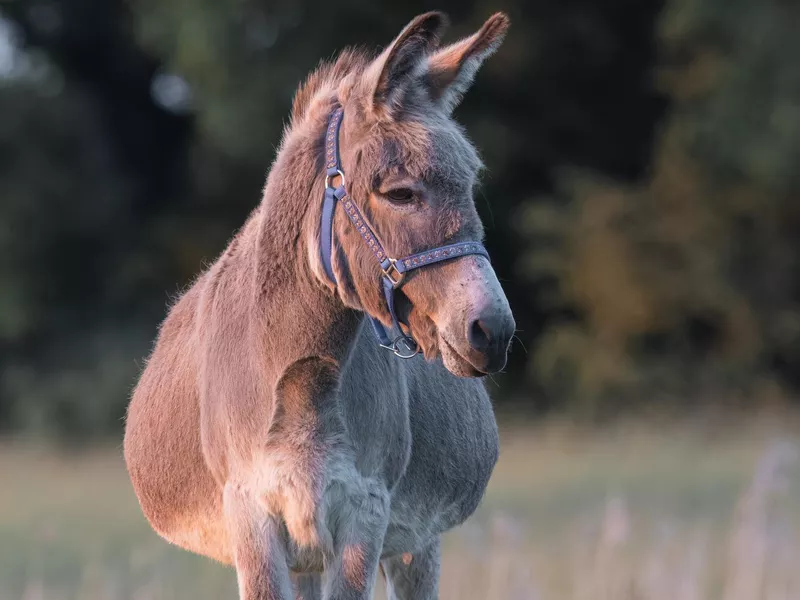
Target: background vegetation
[{"x": 641, "y": 200}]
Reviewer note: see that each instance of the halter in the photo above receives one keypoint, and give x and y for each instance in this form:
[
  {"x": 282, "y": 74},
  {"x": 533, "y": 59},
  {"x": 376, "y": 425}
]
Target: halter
[{"x": 394, "y": 270}]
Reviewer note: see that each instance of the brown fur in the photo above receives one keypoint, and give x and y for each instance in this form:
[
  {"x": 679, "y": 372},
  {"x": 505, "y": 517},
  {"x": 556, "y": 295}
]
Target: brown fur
[{"x": 264, "y": 431}]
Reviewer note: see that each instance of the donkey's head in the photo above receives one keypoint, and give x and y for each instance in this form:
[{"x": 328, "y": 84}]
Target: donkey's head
[{"x": 412, "y": 172}]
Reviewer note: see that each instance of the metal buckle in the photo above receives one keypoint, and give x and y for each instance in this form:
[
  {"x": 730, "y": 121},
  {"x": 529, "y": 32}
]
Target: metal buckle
[
  {"x": 403, "y": 346},
  {"x": 392, "y": 269},
  {"x": 328, "y": 178}
]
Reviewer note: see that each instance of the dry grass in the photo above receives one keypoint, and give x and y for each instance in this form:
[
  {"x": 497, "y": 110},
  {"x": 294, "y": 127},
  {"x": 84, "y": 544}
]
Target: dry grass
[{"x": 629, "y": 513}]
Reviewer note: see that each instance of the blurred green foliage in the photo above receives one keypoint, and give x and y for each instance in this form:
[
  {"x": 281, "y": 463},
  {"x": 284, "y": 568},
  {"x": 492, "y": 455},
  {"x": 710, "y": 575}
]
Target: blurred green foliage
[
  {"x": 640, "y": 201},
  {"x": 686, "y": 283}
]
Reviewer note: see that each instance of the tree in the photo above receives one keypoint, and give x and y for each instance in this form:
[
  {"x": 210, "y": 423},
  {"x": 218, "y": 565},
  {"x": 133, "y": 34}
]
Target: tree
[{"x": 686, "y": 284}]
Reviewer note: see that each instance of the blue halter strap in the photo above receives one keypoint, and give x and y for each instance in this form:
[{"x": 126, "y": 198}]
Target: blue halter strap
[{"x": 393, "y": 270}]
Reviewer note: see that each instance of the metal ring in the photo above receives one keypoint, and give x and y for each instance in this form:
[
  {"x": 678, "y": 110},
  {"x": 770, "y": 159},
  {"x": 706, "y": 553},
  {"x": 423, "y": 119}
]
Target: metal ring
[
  {"x": 411, "y": 347},
  {"x": 328, "y": 178}
]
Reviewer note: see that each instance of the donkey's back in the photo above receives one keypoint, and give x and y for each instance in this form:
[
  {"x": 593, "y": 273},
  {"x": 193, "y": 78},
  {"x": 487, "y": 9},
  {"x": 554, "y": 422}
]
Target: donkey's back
[{"x": 163, "y": 443}]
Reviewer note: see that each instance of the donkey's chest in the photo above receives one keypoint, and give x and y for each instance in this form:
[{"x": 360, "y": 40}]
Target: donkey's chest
[{"x": 317, "y": 494}]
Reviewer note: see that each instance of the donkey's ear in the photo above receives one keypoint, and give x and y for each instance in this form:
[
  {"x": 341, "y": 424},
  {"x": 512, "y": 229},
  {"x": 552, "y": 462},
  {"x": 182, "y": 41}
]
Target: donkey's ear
[
  {"x": 390, "y": 73},
  {"x": 450, "y": 71}
]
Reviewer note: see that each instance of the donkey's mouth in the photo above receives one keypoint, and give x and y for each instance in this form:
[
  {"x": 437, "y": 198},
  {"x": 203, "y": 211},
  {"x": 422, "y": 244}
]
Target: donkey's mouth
[{"x": 455, "y": 362}]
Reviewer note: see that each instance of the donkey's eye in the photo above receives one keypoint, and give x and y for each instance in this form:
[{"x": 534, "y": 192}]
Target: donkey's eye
[{"x": 400, "y": 195}]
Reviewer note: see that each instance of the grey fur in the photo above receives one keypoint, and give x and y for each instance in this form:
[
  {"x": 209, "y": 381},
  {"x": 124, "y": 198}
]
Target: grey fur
[{"x": 269, "y": 430}]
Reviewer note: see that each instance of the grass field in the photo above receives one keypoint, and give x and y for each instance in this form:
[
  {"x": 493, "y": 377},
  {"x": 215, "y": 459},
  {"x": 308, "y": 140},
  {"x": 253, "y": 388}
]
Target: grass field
[{"x": 632, "y": 512}]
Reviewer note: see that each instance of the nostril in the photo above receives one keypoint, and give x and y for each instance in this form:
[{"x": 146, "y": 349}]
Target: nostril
[{"x": 480, "y": 336}]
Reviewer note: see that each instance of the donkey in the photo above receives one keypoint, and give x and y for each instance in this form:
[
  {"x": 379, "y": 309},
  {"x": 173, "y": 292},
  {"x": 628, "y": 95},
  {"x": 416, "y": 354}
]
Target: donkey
[{"x": 269, "y": 430}]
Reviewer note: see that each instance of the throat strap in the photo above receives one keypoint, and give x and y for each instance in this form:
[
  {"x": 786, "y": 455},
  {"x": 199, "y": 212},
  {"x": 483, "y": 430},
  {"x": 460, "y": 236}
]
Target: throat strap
[{"x": 393, "y": 270}]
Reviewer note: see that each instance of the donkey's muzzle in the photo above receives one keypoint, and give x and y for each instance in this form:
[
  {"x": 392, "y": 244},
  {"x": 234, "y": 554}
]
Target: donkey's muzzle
[{"x": 489, "y": 335}]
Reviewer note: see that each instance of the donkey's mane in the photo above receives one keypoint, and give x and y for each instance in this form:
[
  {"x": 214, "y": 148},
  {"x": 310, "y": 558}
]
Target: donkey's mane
[{"x": 328, "y": 75}]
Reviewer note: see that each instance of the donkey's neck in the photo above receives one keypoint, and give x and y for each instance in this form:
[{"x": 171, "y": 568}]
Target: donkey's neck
[{"x": 290, "y": 300}]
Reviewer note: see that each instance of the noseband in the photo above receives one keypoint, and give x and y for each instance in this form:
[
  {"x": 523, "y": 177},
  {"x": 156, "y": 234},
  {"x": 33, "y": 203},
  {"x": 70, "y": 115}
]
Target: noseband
[{"x": 394, "y": 270}]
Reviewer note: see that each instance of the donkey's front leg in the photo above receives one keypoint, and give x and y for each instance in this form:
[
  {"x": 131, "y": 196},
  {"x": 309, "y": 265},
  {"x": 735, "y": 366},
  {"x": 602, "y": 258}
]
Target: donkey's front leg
[
  {"x": 259, "y": 552},
  {"x": 414, "y": 576},
  {"x": 361, "y": 520}
]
